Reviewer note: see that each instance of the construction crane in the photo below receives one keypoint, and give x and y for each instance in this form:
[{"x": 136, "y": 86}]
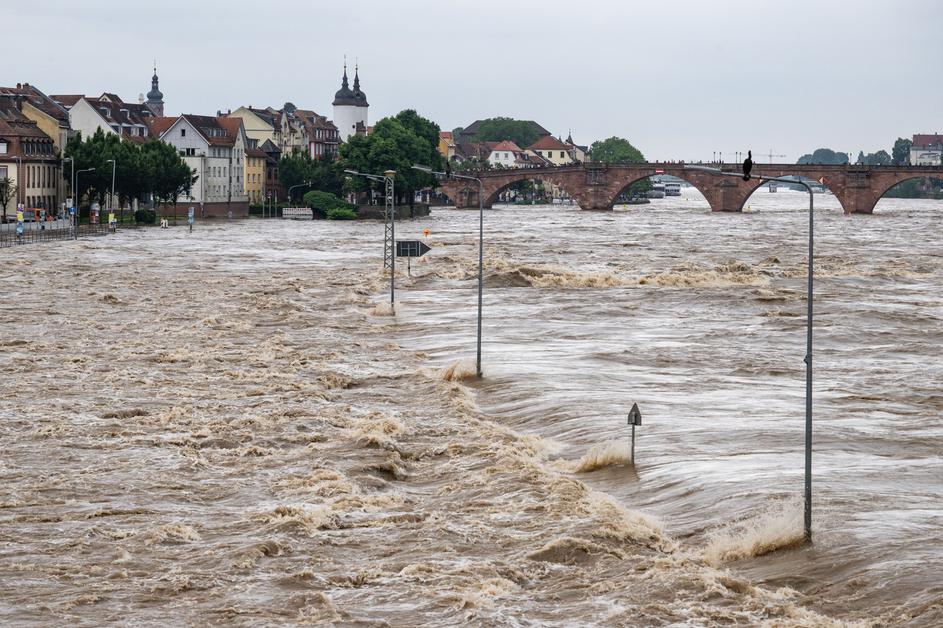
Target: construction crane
[{"x": 771, "y": 155}]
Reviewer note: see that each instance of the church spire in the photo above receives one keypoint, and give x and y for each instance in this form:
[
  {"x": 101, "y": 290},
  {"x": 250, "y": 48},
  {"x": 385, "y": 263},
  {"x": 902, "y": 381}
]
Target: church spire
[{"x": 155, "y": 99}]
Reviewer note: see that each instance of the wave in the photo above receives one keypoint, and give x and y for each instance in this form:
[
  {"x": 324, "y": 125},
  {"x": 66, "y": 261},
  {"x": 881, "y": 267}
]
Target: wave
[
  {"x": 691, "y": 275},
  {"x": 778, "y": 527},
  {"x": 603, "y": 455}
]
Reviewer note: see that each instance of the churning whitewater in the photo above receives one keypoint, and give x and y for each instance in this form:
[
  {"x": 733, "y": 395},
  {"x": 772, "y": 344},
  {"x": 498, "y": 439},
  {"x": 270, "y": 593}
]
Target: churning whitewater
[{"x": 233, "y": 427}]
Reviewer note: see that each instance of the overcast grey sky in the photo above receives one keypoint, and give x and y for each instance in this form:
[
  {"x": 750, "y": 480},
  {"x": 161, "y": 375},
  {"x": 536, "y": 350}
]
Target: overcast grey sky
[{"x": 679, "y": 78}]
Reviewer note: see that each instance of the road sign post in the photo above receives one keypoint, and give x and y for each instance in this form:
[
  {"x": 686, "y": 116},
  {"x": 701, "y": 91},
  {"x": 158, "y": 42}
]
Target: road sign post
[
  {"x": 410, "y": 249},
  {"x": 635, "y": 418}
]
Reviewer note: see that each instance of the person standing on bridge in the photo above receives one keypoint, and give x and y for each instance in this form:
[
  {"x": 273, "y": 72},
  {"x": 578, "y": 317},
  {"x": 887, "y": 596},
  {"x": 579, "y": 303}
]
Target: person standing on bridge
[{"x": 748, "y": 165}]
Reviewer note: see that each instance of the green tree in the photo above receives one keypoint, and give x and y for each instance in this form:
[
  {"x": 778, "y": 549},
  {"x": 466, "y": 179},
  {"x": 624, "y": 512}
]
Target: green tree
[
  {"x": 171, "y": 177},
  {"x": 7, "y": 194},
  {"x": 521, "y": 132},
  {"x": 397, "y": 143},
  {"x": 615, "y": 149},
  {"x": 900, "y": 154},
  {"x": 880, "y": 158},
  {"x": 824, "y": 156},
  {"x": 152, "y": 168},
  {"x": 323, "y": 174}
]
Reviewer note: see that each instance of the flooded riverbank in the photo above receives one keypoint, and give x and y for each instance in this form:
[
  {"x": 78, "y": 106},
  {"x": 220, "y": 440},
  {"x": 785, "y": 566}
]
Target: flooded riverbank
[{"x": 228, "y": 428}]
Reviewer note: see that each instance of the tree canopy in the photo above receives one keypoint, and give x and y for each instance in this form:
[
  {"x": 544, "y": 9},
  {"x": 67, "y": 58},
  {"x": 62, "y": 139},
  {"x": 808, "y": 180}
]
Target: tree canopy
[
  {"x": 900, "y": 154},
  {"x": 323, "y": 174},
  {"x": 521, "y": 132},
  {"x": 615, "y": 149},
  {"x": 880, "y": 158},
  {"x": 397, "y": 143},
  {"x": 150, "y": 168},
  {"x": 824, "y": 156}
]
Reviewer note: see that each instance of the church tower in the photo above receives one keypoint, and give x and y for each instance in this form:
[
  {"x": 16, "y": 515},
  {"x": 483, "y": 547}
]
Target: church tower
[
  {"x": 155, "y": 99},
  {"x": 350, "y": 107}
]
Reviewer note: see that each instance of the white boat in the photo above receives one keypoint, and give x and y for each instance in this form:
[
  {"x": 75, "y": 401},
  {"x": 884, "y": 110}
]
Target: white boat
[
  {"x": 657, "y": 191},
  {"x": 672, "y": 189},
  {"x": 772, "y": 186}
]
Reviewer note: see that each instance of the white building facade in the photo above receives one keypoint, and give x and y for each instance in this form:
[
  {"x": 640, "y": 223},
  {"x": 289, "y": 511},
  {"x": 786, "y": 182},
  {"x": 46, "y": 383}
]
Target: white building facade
[{"x": 214, "y": 148}]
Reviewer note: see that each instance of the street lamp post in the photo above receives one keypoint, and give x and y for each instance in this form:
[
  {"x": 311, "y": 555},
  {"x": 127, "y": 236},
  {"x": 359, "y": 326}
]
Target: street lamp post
[
  {"x": 114, "y": 165},
  {"x": 481, "y": 245},
  {"x": 76, "y": 200},
  {"x": 299, "y": 185},
  {"x": 71, "y": 176},
  {"x": 389, "y": 230},
  {"x": 808, "y": 350}
]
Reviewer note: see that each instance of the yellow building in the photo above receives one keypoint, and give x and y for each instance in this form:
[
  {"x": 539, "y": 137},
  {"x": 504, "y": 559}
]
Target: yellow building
[
  {"x": 446, "y": 144},
  {"x": 254, "y": 179},
  {"x": 260, "y": 124}
]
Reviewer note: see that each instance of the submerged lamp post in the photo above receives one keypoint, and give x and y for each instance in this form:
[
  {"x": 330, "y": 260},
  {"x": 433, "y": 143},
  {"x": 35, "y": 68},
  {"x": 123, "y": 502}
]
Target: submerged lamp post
[
  {"x": 481, "y": 243},
  {"x": 808, "y": 350},
  {"x": 389, "y": 231}
]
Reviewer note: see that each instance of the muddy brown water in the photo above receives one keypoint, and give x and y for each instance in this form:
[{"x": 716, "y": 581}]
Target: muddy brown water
[{"x": 231, "y": 428}]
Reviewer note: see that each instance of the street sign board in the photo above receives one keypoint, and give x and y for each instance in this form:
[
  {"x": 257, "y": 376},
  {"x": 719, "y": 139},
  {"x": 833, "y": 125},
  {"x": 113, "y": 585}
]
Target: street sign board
[
  {"x": 190, "y": 216},
  {"x": 635, "y": 416},
  {"x": 411, "y": 248}
]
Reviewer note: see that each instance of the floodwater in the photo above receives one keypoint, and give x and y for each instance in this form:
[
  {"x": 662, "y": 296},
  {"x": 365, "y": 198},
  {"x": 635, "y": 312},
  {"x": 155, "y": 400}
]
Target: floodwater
[{"x": 231, "y": 427}]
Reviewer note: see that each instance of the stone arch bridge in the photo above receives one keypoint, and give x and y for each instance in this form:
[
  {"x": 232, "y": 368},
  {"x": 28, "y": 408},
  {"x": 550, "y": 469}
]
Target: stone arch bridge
[{"x": 598, "y": 185}]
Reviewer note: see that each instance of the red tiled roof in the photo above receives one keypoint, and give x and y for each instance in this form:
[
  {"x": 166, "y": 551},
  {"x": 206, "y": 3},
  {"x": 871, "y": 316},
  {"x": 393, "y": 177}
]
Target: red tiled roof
[
  {"x": 548, "y": 142},
  {"x": 67, "y": 100},
  {"x": 38, "y": 100},
  {"x": 506, "y": 145},
  {"x": 159, "y": 126},
  {"x": 445, "y": 135},
  {"x": 927, "y": 140}
]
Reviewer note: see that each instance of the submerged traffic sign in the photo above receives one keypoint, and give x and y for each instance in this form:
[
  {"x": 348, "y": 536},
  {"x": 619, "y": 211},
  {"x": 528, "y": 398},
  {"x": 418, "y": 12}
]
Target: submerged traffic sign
[{"x": 411, "y": 248}]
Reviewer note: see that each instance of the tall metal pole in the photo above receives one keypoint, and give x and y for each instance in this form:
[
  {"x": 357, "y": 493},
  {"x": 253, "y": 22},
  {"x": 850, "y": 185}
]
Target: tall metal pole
[
  {"x": 807, "y": 514},
  {"x": 481, "y": 264},
  {"x": 808, "y": 382},
  {"x": 389, "y": 180}
]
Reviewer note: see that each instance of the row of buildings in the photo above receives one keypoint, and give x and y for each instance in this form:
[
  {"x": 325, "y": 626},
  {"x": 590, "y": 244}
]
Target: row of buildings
[
  {"x": 234, "y": 154},
  {"x": 547, "y": 150}
]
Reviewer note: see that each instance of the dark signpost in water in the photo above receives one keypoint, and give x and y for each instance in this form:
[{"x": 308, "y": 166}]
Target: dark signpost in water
[
  {"x": 635, "y": 418},
  {"x": 410, "y": 249},
  {"x": 746, "y": 175}
]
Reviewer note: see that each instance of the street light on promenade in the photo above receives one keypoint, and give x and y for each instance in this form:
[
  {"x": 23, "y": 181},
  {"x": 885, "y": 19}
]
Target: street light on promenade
[
  {"x": 299, "y": 185},
  {"x": 76, "y": 200},
  {"x": 481, "y": 244},
  {"x": 113, "y": 167},
  {"x": 71, "y": 176},
  {"x": 389, "y": 231},
  {"x": 808, "y": 353}
]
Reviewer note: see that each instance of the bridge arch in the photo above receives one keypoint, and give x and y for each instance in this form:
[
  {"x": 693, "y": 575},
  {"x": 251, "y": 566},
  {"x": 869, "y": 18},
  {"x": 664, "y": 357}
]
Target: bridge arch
[
  {"x": 754, "y": 186},
  {"x": 632, "y": 180},
  {"x": 882, "y": 191},
  {"x": 492, "y": 195}
]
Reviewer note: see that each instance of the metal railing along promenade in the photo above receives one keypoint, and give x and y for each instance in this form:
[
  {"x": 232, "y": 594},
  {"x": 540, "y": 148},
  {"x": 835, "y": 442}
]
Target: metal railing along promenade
[{"x": 50, "y": 231}]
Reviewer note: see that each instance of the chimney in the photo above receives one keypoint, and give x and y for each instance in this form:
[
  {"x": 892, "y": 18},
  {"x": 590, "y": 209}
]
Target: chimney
[
  {"x": 219, "y": 114},
  {"x": 19, "y": 86}
]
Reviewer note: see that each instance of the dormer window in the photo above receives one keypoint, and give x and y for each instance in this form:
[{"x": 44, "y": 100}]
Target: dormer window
[
  {"x": 3, "y": 148},
  {"x": 104, "y": 111}
]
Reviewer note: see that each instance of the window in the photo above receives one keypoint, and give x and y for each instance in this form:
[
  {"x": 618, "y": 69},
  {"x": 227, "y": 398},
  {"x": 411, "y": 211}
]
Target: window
[
  {"x": 3, "y": 172},
  {"x": 183, "y": 132},
  {"x": 561, "y": 154},
  {"x": 3, "y": 148},
  {"x": 191, "y": 152}
]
